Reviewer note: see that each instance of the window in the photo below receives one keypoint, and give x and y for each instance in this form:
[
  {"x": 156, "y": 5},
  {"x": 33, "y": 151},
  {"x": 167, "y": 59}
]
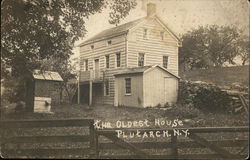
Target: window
[
  {"x": 86, "y": 65},
  {"x": 128, "y": 85},
  {"x": 118, "y": 59},
  {"x": 165, "y": 61},
  {"x": 106, "y": 93},
  {"x": 109, "y": 42},
  {"x": 107, "y": 61},
  {"x": 92, "y": 46},
  {"x": 141, "y": 59},
  {"x": 145, "y": 33},
  {"x": 162, "y": 35}
]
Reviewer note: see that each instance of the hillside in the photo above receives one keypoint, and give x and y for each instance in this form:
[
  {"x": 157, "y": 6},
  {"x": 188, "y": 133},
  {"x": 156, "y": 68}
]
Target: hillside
[{"x": 222, "y": 76}]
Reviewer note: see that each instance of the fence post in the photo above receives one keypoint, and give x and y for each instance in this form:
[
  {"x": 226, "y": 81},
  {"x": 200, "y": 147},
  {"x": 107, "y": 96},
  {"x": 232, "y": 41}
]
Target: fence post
[
  {"x": 92, "y": 141},
  {"x": 96, "y": 144},
  {"x": 174, "y": 148}
]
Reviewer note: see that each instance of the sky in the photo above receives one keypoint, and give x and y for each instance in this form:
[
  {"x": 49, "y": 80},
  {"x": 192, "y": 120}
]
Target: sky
[{"x": 180, "y": 15}]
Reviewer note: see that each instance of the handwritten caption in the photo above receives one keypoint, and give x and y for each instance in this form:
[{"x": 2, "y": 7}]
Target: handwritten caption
[{"x": 125, "y": 129}]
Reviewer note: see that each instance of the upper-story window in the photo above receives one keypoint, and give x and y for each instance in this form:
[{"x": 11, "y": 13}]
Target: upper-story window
[
  {"x": 107, "y": 61},
  {"x": 162, "y": 35},
  {"x": 86, "y": 65},
  {"x": 165, "y": 62},
  {"x": 141, "y": 59},
  {"x": 92, "y": 46},
  {"x": 109, "y": 42},
  {"x": 118, "y": 59},
  {"x": 145, "y": 33}
]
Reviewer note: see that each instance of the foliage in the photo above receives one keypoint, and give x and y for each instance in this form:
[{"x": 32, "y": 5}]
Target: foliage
[
  {"x": 207, "y": 97},
  {"x": 66, "y": 69},
  {"x": 33, "y": 30},
  {"x": 13, "y": 89},
  {"x": 210, "y": 46},
  {"x": 244, "y": 50}
]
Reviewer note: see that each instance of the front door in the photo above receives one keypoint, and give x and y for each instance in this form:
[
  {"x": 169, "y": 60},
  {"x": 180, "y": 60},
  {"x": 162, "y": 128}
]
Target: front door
[
  {"x": 170, "y": 89},
  {"x": 96, "y": 68}
]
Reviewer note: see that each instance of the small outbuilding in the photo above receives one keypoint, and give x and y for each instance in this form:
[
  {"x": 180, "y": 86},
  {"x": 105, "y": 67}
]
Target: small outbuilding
[
  {"x": 44, "y": 90},
  {"x": 146, "y": 86}
]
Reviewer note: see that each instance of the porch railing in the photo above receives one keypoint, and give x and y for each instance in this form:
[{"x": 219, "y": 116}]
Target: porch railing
[{"x": 95, "y": 75}]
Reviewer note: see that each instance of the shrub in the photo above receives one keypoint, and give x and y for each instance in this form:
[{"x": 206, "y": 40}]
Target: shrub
[{"x": 204, "y": 96}]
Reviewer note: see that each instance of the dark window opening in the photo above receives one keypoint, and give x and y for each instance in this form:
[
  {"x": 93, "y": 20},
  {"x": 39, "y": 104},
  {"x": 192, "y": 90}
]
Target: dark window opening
[
  {"x": 165, "y": 62},
  {"x": 86, "y": 65},
  {"x": 118, "y": 59},
  {"x": 141, "y": 59},
  {"x": 128, "y": 85},
  {"x": 106, "y": 88},
  {"x": 107, "y": 61}
]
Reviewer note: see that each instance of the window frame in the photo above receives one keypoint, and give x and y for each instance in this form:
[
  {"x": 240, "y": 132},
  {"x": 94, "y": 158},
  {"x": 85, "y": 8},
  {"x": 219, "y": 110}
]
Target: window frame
[
  {"x": 116, "y": 59},
  {"x": 86, "y": 63},
  {"x": 108, "y": 44},
  {"x": 92, "y": 46},
  {"x": 107, "y": 62},
  {"x": 130, "y": 86},
  {"x": 166, "y": 67},
  {"x": 106, "y": 89},
  {"x": 138, "y": 59}
]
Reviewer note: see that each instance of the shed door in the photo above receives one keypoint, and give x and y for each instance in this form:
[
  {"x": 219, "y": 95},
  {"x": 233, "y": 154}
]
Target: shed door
[{"x": 170, "y": 89}]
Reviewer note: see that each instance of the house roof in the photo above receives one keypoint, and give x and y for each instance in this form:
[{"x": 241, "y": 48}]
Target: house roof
[
  {"x": 47, "y": 75},
  {"x": 122, "y": 29},
  {"x": 144, "y": 69}
]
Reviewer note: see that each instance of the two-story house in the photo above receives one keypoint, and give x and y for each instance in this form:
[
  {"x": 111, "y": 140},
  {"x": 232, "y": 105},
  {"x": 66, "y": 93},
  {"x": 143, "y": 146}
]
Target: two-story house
[{"x": 134, "y": 64}]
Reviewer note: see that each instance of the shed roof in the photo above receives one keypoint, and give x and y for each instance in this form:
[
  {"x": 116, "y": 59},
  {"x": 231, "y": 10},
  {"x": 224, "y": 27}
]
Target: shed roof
[
  {"x": 143, "y": 69},
  {"x": 47, "y": 75}
]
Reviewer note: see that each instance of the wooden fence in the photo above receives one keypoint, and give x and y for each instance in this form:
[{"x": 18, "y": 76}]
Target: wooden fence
[
  {"x": 141, "y": 149},
  {"x": 99, "y": 142},
  {"x": 11, "y": 144}
]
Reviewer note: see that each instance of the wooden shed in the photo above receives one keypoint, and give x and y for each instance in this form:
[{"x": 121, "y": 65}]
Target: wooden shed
[
  {"x": 146, "y": 86},
  {"x": 44, "y": 90}
]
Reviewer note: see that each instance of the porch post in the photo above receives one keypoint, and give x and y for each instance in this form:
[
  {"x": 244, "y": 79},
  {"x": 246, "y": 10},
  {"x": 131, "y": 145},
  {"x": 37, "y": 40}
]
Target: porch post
[{"x": 90, "y": 93}]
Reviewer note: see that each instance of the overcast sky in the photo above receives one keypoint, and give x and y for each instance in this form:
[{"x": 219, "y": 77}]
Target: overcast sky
[{"x": 181, "y": 15}]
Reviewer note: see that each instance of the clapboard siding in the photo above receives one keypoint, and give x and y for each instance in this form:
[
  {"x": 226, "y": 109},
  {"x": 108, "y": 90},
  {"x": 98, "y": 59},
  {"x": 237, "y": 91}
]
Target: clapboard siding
[
  {"x": 153, "y": 47},
  {"x": 100, "y": 50}
]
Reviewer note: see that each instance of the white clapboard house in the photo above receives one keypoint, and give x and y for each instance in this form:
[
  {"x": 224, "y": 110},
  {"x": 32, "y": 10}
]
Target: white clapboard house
[{"x": 134, "y": 64}]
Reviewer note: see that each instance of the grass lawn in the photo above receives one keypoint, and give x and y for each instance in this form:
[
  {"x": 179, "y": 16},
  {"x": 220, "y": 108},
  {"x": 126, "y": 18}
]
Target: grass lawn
[{"x": 194, "y": 117}]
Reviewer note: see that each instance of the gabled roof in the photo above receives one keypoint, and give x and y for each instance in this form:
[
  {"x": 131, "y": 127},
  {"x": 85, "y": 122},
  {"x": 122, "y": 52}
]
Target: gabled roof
[
  {"x": 122, "y": 29},
  {"x": 47, "y": 75},
  {"x": 144, "y": 69}
]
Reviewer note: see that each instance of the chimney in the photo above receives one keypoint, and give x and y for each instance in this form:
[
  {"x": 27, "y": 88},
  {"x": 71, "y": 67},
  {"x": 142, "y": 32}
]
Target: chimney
[{"x": 151, "y": 9}]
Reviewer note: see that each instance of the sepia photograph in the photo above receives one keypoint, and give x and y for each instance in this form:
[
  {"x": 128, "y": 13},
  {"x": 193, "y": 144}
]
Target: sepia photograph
[{"x": 124, "y": 79}]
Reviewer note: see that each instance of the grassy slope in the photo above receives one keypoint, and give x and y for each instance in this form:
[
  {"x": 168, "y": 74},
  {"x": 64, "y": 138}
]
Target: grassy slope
[{"x": 223, "y": 76}]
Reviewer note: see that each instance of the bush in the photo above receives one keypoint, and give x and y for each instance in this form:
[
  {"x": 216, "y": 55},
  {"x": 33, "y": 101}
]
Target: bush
[{"x": 204, "y": 96}]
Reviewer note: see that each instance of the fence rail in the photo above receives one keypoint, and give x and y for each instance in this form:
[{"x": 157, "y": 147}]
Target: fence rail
[
  {"x": 8, "y": 126},
  {"x": 196, "y": 141},
  {"x": 96, "y": 146}
]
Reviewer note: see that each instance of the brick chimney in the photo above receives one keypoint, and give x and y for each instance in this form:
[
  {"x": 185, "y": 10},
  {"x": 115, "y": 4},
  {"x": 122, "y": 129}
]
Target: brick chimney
[{"x": 151, "y": 9}]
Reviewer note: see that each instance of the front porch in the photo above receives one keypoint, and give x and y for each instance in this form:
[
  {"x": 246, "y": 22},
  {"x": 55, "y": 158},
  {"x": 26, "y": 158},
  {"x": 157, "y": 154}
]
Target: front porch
[{"x": 91, "y": 93}]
